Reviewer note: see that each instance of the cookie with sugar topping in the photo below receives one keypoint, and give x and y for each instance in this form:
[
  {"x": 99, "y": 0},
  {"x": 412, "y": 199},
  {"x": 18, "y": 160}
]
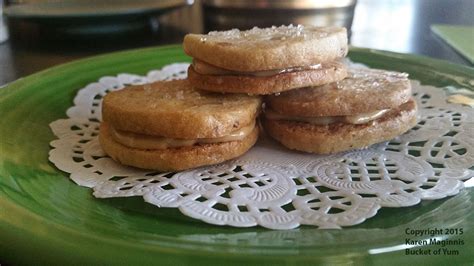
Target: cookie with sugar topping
[
  {"x": 171, "y": 126},
  {"x": 268, "y": 48},
  {"x": 265, "y": 61},
  {"x": 368, "y": 107}
]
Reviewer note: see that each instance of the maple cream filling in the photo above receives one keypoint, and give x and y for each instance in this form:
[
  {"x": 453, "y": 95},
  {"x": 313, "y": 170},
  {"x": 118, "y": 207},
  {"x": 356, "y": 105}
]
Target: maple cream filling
[
  {"x": 207, "y": 69},
  {"x": 148, "y": 142},
  {"x": 326, "y": 120}
]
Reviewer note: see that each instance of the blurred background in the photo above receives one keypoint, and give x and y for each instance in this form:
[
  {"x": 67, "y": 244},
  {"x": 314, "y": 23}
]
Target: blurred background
[{"x": 37, "y": 34}]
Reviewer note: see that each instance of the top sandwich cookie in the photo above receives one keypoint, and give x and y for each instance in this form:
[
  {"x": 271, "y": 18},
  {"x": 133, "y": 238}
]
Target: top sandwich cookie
[
  {"x": 265, "y": 61},
  {"x": 368, "y": 107},
  {"x": 170, "y": 126}
]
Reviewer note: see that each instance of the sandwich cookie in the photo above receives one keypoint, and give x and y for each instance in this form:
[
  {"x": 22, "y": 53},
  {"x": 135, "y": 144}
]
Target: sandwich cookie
[
  {"x": 171, "y": 126},
  {"x": 266, "y": 61},
  {"x": 368, "y": 107}
]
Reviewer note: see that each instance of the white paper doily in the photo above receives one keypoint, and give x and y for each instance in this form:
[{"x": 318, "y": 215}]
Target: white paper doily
[{"x": 274, "y": 187}]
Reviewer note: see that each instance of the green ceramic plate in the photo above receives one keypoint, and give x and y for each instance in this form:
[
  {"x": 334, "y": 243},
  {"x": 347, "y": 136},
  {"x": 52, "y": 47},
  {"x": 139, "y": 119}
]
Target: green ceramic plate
[{"x": 46, "y": 218}]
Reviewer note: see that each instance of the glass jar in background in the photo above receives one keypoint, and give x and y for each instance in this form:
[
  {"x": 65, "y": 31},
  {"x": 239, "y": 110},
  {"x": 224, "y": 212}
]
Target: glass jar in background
[{"x": 245, "y": 14}]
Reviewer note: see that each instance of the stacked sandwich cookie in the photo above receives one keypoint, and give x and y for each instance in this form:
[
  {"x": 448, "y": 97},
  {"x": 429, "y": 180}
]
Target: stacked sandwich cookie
[
  {"x": 367, "y": 107},
  {"x": 266, "y": 61},
  {"x": 171, "y": 126}
]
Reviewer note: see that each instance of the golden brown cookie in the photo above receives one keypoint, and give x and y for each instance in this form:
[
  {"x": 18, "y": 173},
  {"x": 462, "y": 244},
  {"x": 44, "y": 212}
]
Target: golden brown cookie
[
  {"x": 368, "y": 107},
  {"x": 364, "y": 90},
  {"x": 176, "y": 109},
  {"x": 178, "y": 158},
  {"x": 266, "y": 61},
  {"x": 171, "y": 126},
  {"x": 268, "y": 84},
  {"x": 269, "y": 48},
  {"x": 336, "y": 137}
]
